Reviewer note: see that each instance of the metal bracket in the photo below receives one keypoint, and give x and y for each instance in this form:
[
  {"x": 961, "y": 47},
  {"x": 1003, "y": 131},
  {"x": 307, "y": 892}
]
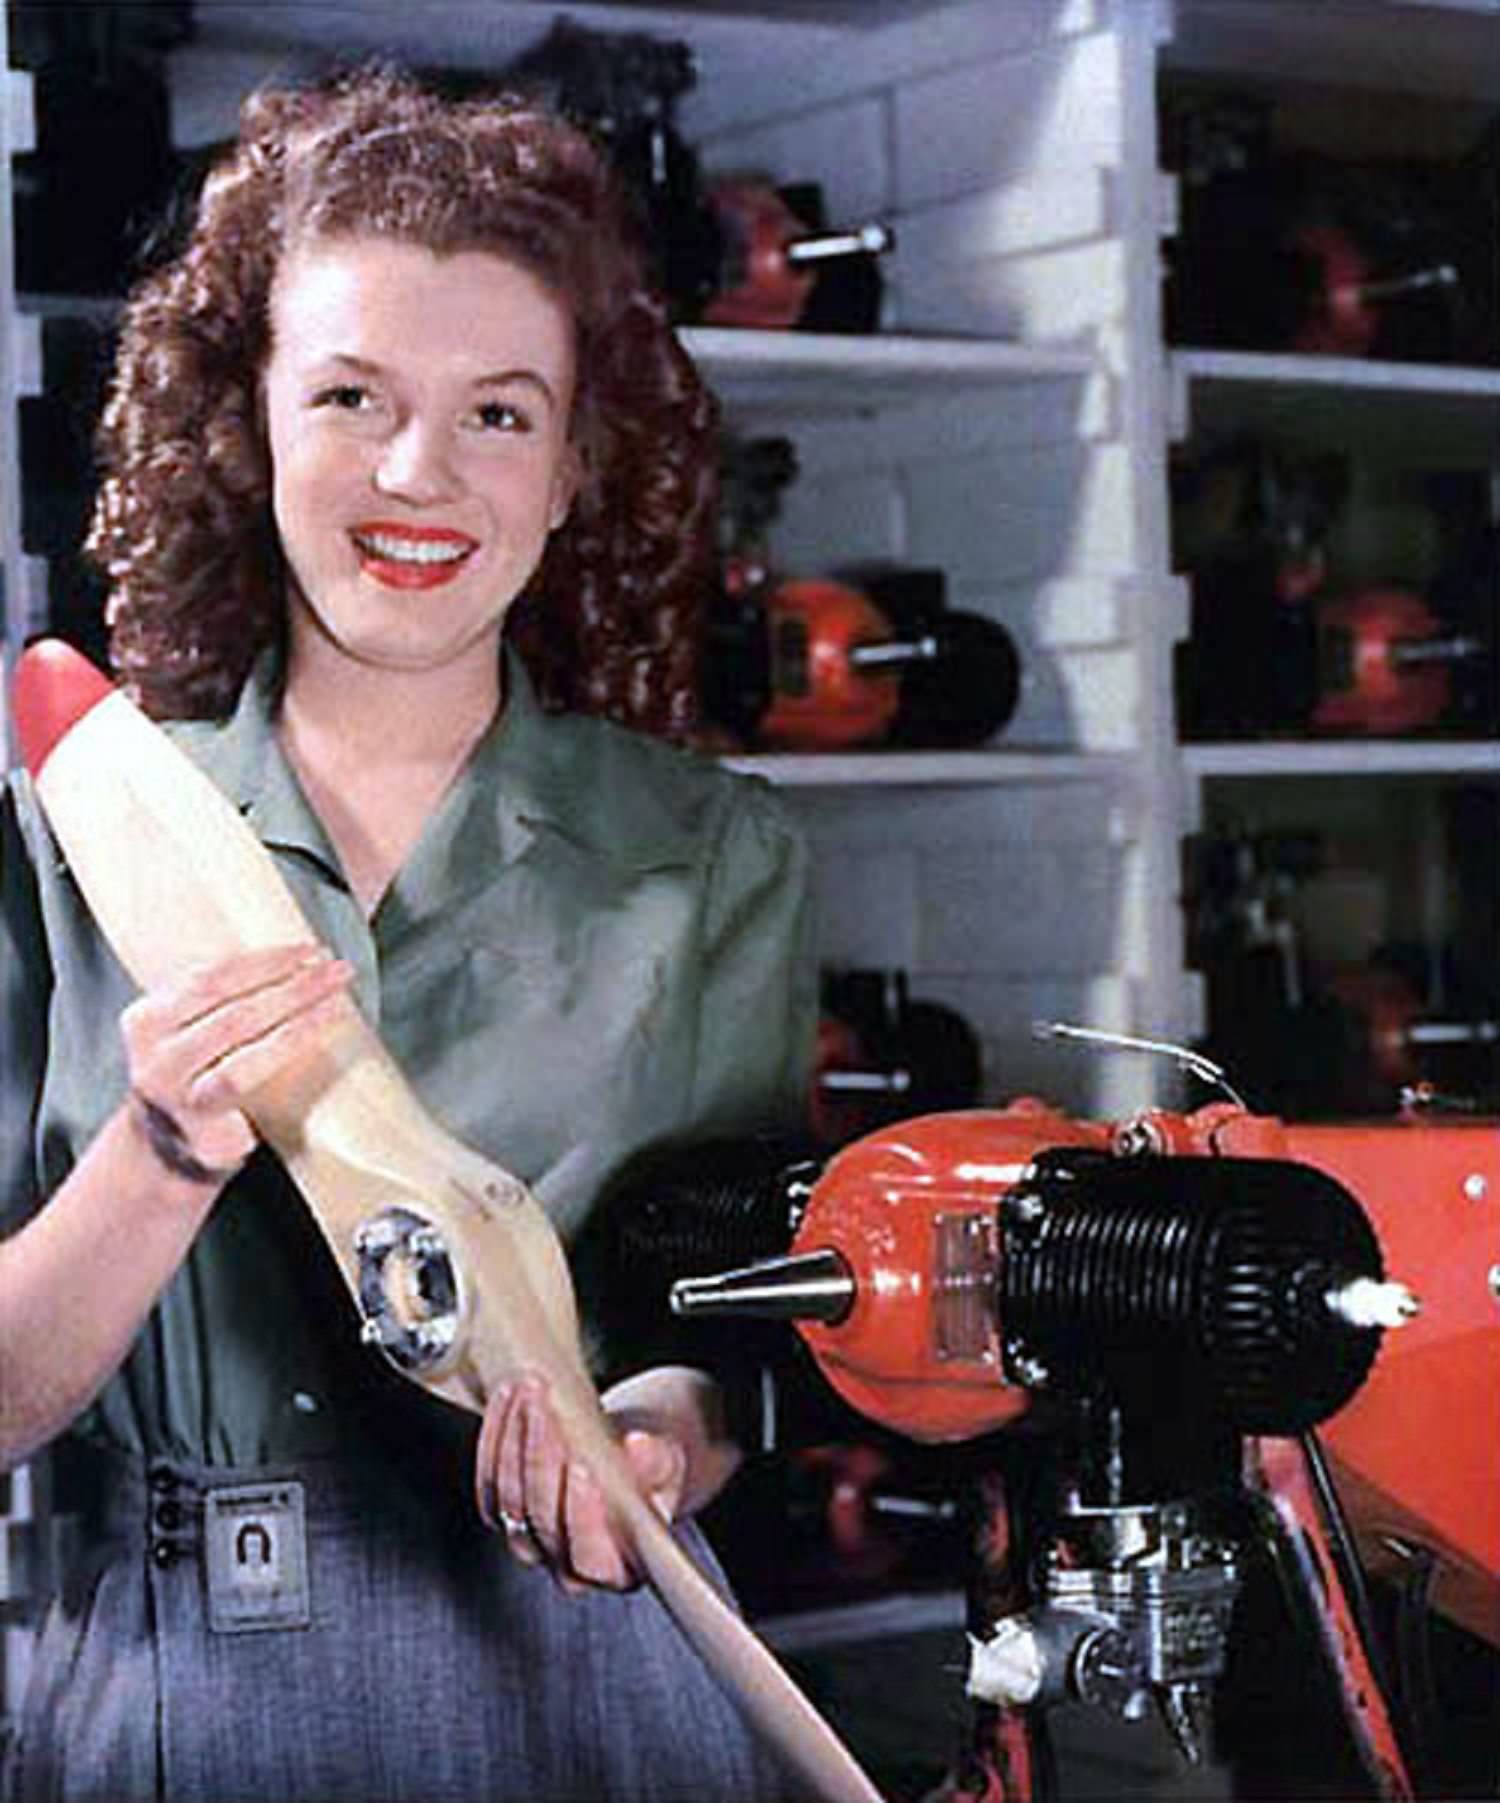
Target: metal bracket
[{"x": 410, "y": 1294}]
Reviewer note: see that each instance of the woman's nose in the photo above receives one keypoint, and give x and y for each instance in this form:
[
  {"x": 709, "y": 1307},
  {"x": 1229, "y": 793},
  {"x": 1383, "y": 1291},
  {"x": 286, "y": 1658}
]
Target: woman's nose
[{"x": 414, "y": 464}]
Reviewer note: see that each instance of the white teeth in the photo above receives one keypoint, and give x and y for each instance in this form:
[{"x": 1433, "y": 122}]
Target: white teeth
[{"x": 411, "y": 550}]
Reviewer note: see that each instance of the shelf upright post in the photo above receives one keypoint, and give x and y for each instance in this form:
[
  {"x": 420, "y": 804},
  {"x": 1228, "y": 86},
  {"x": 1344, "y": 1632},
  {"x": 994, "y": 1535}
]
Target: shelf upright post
[{"x": 16, "y": 135}]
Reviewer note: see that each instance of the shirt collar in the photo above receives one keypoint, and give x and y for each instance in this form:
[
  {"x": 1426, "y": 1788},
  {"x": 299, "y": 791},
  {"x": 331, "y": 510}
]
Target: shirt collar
[
  {"x": 530, "y": 772},
  {"x": 586, "y": 779},
  {"x": 244, "y": 757}
]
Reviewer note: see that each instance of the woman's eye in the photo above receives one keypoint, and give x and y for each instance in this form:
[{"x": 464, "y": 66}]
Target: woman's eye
[
  {"x": 501, "y": 416},
  {"x": 343, "y": 397}
]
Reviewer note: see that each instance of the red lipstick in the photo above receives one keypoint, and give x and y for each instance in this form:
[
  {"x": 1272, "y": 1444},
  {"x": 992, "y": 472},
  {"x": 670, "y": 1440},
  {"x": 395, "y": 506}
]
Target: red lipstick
[{"x": 402, "y": 556}]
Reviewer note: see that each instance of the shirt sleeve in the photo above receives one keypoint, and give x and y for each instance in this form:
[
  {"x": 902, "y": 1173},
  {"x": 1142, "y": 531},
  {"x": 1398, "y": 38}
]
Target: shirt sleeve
[
  {"x": 25, "y": 983},
  {"x": 757, "y": 1013}
]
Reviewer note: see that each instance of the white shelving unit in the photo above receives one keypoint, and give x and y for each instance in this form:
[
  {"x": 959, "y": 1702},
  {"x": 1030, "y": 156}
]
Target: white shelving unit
[
  {"x": 1345, "y": 757},
  {"x": 1386, "y": 810},
  {"x": 1419, "y": 407},
  {"x": 19, "y": 358},
  {"x": 1010, "y": 424},
  {"x": 789, "y": 375},
  {"x": 1410, "y": 413},
  {"x": 924, "y": 769}
]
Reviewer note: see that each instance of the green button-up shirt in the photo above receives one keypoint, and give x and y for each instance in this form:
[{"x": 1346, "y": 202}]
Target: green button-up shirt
[{"x": 598, "y": 942}]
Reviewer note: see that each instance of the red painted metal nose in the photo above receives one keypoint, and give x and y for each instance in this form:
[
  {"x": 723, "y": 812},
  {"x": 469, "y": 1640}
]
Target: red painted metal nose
[{"x": 55, "y": 686}]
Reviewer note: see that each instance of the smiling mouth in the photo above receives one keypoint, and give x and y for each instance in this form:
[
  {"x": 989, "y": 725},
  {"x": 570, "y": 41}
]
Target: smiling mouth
[
  {"x": 385, "y": 546},
  {"x": 402, "y": 557}
]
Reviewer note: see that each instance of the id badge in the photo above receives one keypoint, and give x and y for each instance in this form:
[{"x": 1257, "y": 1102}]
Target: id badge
[{"x": 255, "y": 1549}]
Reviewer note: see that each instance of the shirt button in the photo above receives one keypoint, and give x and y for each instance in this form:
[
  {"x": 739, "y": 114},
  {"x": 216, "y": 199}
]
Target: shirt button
[
  {"x": 163, "y": 1553},
  {"x": 168, "y": 1516}
]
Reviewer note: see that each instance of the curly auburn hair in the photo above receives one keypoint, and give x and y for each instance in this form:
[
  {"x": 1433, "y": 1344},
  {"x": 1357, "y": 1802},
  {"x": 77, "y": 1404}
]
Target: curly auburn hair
[{"x": 183, "y": 526}]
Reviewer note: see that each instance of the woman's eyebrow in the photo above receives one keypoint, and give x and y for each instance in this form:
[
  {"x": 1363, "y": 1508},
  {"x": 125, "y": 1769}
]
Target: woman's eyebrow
[
  {"x": 498, "y": 378},
  {"x": 507, "y": 378},
  {"x": 361, "y": 366}
]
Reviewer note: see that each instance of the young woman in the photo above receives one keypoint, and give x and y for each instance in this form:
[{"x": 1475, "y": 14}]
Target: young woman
[{"x": 406, "y": 483}]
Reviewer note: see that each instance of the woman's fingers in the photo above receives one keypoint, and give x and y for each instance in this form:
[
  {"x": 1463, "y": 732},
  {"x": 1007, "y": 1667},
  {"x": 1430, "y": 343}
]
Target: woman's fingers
[
  {"x": 278, "y": 1031},
  {"x": 208, "y": 1041},
  {"x": 595, "y": 1552},
  {"x": 208, "y": 987},
  {"x": 197, "y": 1047},
  {"x": 233, "y": 1023},
  {"x": 660, "y": 1466},
  {"x": 544, "y": 1463},
  {"x": 486, "y": 1456},
  {"x": 549, "y": 1505},
  {"x": 502, "y": 1467}
]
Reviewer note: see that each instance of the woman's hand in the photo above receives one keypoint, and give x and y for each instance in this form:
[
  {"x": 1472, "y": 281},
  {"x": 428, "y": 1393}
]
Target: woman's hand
[
  {"x": 547, "y": 1503},
  {"x": 194, "y": 1048}
]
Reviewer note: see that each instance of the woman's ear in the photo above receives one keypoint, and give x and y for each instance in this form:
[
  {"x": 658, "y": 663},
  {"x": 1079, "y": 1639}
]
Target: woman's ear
[{"x": 565, "y": 486}]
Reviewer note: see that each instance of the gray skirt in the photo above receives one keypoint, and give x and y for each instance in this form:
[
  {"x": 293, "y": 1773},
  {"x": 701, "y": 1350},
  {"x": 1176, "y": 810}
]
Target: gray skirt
[{"x": 378, "y": 1652}]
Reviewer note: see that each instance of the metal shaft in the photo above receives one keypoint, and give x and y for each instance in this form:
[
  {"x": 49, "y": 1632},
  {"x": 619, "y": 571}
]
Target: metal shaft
[
  {"x": 864, "y": 240},
  {"x": 809, "y": 1286}
]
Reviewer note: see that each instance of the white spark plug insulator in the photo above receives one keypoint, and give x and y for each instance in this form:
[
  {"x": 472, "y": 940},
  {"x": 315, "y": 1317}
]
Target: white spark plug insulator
[{"x": 1366, "y": 1302}]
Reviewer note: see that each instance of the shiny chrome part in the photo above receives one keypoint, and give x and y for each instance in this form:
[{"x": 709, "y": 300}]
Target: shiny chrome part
[
  {"x": 861, "y": 240},
  {"x": 1423, "y": 1098},
  {"x": 967, "y": 1266},
  {"x": 1108, "y": 1673},
  {"x": 1185, "y": 1708},
  {"x": 1023, "y": 1207},
  {"x": 1139, "y": 1138},
  {"x": 893, "y": 651},
  {"x": 808, "y": 1286},
  {"x": 1136, "y": 1607},
  {"x": 1026, "y": 1369},
  {"x": 799, "y": 1182},
  {"x": 1203, "y": 1068},
  {"x": 893, "y": 1082},
  {"x": 409, "y": 1290}
]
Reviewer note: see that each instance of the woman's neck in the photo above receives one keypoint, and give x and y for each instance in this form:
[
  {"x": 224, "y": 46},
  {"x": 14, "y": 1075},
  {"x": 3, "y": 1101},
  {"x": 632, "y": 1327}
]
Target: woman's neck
[
  {"x": 372, "y": 710},
  {"x": 377, "y": 750}
]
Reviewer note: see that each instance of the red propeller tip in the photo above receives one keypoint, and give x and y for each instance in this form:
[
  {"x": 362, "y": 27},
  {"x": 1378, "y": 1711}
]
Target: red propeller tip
[{"x": 55, "y": 687}]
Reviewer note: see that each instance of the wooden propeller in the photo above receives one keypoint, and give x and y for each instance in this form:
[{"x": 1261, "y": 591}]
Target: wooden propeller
[{"x": 451, "y": 1260}]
